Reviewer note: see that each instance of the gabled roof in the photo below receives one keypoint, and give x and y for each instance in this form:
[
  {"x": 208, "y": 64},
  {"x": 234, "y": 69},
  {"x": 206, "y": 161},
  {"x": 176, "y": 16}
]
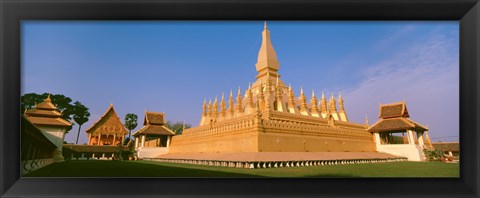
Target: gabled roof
[
  {"x": 154, "y": 118},
  {"x": 394, "y": 117},
  {"x": 154, "y": 130},
  {"x": 398, "y": 109},
  {"x": 109, "y": 122},
  {"x": 154, "y": 124}
]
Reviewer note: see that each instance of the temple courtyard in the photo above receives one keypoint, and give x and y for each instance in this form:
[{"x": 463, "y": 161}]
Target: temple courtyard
[{"x": 108, "y": 168}]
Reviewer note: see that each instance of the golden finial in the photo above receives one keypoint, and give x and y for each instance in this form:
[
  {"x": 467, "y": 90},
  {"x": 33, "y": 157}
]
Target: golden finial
[
  {"x": 323, "y": 95},
  {"x": 231, "y": 93},
  {"x": 265, "y": 25},
  {"x": 313, "y": 93},
  {"x": 249, "y": 85},
  {"x": 366, "y": 120},
  {"x": 48, "y": 98},
  {"x": 239, "y": 93},
  {"x": 301, "y": 90},
  {"x": 204, "y": 102},
  {"x": 222, "y": 96}
]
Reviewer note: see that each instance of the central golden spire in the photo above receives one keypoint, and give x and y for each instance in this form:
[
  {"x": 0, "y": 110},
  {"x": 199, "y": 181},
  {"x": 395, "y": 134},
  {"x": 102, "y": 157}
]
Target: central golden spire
[{"x": 267, "y": 61}]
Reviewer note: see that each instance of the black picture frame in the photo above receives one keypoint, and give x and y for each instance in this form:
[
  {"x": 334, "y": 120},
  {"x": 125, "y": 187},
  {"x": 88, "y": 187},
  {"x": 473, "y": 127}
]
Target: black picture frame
[{"x": 12, "y": 12}]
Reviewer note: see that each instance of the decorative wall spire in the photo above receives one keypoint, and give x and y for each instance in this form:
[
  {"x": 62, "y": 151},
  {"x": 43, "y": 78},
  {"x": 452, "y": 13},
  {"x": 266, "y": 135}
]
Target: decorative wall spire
[
  {"x": 215, "y": 108},
  {"x": 204, "y": 112},
  {"x": 223, "y": 107},
  {"x": 230, "y": 104},
  {"x": 267, "y": 61},
  {"x": 303, "y": 103},
  {"x": 342, "y": 114},
  {"x": 239, "y": 101},
  {"x": 280, "y": 106},
  {"x": 250, "y": 98},
  {"x": 333, "y": 104},
  {"x": 324, "y": 105},
  {"x": 292, "y": 108},
  {"x": 340, "y": 103},
  {"x": 210, "y": 108},
  {"x": 314, "y": 102},
  {"x": 261, "y": 98}
]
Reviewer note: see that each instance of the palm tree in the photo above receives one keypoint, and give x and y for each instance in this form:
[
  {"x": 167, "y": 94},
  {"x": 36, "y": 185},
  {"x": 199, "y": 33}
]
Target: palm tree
[
  {"x": 80, "y": 115},
  {"x": 130, "y": 123}
]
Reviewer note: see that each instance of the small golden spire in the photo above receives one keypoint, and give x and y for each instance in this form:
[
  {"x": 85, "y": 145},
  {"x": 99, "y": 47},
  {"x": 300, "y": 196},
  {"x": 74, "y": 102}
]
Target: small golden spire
[
  {"x": 366, "y": 120},
  {"x": 239, "y": 92},
  {"x": 265, "y": 25},
  {"x": 48, "y": 98}
]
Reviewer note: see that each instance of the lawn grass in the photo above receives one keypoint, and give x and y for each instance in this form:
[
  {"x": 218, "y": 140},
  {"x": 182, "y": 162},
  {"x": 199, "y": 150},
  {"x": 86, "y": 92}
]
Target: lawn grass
[{"x": 100, "y": 168}]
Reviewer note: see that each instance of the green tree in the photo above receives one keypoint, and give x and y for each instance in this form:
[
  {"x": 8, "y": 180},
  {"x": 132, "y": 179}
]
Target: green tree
[
  {"x": 130, "y": 123},
  {"x": 177, "y": 127},
  {"x": 80, "y": 115},
  {"x": 63, "y": 104}
]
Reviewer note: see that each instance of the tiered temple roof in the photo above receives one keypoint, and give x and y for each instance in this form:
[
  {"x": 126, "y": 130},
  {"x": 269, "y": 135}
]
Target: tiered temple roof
[
  {"x": 154, "y": 124},
  {"x": 45, "y": 114},
  {"x": 395, "y": 117}
]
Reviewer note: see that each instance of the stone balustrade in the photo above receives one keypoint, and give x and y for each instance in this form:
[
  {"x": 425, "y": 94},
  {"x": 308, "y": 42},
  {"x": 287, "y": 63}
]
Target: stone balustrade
[{"x": 276, "y": 164}]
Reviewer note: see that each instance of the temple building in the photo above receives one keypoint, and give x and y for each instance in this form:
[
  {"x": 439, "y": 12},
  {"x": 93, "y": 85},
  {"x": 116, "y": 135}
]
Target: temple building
[
  {"x": 46, "y": 118},
  {"x": 269, "y": 117},
  {"x": 395, "y": 121},
  {"x": 154, "y": 137},
  {"x": 107, "y": 130}
]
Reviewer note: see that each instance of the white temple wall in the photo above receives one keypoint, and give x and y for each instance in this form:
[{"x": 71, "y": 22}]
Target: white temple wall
[
  {"x": 411, "y": 151},
  {"x": 56, "y": 135}
]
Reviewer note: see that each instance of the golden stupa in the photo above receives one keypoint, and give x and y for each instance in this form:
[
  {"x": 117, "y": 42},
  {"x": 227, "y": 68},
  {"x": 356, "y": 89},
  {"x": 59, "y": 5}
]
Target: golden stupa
[{"x": 268, "y": 117}]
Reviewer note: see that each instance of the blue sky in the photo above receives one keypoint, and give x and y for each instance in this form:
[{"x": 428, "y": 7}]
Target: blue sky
[{"x": 171, "y": 66}]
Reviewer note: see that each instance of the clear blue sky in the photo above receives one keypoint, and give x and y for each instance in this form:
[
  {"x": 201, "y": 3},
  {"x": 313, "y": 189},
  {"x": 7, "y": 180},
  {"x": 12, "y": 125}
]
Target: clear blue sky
[{"x": 171, "y": 66}]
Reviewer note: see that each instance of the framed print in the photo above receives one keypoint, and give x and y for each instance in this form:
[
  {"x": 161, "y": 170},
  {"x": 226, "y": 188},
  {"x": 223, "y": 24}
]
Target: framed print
[{"x": 135, "y": 95}]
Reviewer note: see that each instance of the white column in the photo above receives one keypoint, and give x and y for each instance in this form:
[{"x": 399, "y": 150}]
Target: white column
[
  {"x": 114, "y": 139},
  {"x": 411, "y": 140},
  {"x": 136, "y": 142},
  {"x": 420, "y": 139},
  {"x": 168, "y": 141},
  {"x": 143, "y": 140},
  {"x": 377, "y": 138}
]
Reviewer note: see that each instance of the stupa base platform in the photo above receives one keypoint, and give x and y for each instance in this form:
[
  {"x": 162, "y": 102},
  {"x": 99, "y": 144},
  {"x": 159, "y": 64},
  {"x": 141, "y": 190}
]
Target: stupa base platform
[{"x": 277, "y": 159}]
